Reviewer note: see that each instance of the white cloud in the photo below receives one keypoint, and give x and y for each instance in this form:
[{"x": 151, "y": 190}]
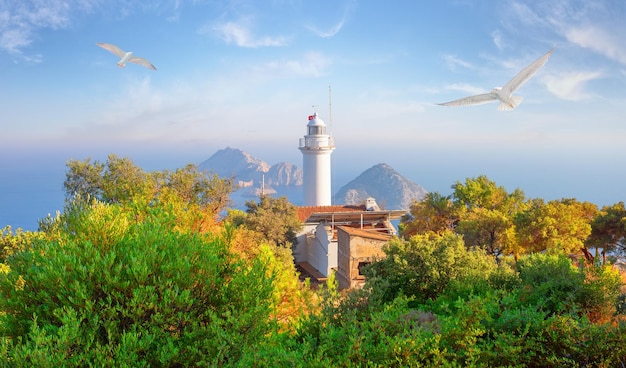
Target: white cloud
[
  {"x": 20, "y": 21},
  {"x": 570, "y": 86},
  {"x": 497, "y": 39},
  {"x": 330, "y": 32},
  {"x": 312, "y": 64},
  {"x": 240, "y": 34},
  {"x": 525, "y": 13},
  {"x": 607, "y": 43},
  {"x": 454, "y": 62},
  {"x": 13, "y": 40},
  {"x": 594, "y": 25}
]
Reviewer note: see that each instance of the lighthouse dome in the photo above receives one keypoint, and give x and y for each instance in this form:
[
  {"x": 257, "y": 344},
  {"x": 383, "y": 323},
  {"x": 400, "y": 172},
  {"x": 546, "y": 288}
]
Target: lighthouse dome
[{"x": 314, "y": 120}]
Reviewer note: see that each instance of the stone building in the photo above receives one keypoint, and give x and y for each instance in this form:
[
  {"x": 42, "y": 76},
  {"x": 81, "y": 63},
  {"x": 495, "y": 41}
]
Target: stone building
[
  {"x": 357, "y": 232},
  {"x": 357, "y": 248}
]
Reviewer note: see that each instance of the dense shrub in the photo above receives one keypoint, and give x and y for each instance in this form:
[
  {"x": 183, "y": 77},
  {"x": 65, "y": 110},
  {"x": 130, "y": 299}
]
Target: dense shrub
[
  {"x": 554, "y": 284},
  {"x": 12, "y": 241},
  {"x": 425, "y": 265},
  {"x": 477, "y": 314},
  {"x": 140, "y": 295}
]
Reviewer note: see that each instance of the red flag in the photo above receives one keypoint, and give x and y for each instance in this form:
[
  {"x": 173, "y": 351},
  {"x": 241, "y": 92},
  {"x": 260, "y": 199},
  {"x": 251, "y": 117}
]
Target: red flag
[{"x": 311, "y": 117}]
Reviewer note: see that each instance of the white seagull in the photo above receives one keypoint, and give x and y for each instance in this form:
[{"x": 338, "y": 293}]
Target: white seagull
[
  {"x": 504, "y": 94},
  {"x": 125, "y": 56}
]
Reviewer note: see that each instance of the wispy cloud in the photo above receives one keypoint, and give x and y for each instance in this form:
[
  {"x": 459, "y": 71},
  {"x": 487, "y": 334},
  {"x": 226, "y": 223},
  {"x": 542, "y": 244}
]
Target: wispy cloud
[
  {"x": 525, "y": 13},
  {"x": 327, "y": 33},
  {"x": 20, "y": 21},
  {"x": 454, "y": 62},
  {"x": 335, "y": 28},
  {"x": 571, "y": 86},
  {"x": 240, "y": 33},
  {"x": 597, "y": 26},
  {"x": 603, "y": 41},
  {"x": 13, "y": 40},
  {"x": 497, "y": 39},
  {"x": 312, "y": 64}
]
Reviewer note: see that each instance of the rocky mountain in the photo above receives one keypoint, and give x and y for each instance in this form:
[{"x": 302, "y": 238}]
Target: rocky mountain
[
  {"x": 390, "y": 189},
  {"x": 254, "y": 176},
  {"x": 283, "y": 173},
  {"x": 232, "y": 162}
]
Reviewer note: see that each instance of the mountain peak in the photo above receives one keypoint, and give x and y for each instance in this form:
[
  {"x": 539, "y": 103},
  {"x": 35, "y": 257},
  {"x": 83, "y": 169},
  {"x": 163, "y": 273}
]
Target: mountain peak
[
  {"x": 233, "y": 162},
  {"x": 381, "y": 182}
]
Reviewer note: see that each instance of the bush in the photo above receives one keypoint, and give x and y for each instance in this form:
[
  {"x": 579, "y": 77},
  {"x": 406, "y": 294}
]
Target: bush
[
  {"x": 553, "y": 284},
  {"x": 424, "y": 266},
  {"x": 12, "y": 241},
  {"x": 145, "y": 296}
]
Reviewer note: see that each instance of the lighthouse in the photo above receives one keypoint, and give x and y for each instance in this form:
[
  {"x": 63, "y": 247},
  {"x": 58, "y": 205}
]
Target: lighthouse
[{"x": 316, "y": 147}]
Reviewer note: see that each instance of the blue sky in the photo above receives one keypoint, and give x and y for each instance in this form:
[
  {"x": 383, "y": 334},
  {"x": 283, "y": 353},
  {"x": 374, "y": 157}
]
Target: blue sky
[{"x": 246, "y": 74}]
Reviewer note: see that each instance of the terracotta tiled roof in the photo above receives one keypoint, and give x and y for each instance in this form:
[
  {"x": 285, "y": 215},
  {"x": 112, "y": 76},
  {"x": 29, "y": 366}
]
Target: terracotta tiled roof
[
  {"x": 306, "y": 211},
  {"x": 365, "y": 233}
]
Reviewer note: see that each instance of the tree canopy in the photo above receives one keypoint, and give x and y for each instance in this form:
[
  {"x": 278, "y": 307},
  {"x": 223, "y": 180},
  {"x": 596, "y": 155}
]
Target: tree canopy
[
  {"x": 119, "y": 180},
  {"x": 434, "y": 213},
  {"x": 275, "y": 218},
  {"x": 608, "y": 229},
  {"x": 509, "y": 224}
]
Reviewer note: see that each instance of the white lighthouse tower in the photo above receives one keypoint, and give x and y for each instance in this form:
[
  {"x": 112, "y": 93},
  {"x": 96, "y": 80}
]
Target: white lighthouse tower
[{"x": 316, "y": 147}]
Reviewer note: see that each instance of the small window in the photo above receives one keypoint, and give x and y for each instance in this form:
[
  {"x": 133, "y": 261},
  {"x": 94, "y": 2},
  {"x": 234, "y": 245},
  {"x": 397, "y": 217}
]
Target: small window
[{"x": 363, "y": 265}]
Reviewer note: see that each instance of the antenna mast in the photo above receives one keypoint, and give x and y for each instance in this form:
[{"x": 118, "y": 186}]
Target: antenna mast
[{"x": 330, "y": 111}]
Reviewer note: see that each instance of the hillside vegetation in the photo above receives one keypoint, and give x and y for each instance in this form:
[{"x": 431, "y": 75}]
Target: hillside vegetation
[{"x": 152, "y": 269}]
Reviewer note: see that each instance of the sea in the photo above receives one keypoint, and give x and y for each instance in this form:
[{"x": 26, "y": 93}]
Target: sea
[
  {"x": 32, "y": 177},
  {"x": 29, "y": 193},
  {"x": 31, "y": 181}
]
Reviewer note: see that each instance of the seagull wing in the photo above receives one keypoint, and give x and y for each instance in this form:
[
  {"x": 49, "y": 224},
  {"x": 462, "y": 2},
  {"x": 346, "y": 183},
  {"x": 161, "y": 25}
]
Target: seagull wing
[
  {"x": 471, "y": 100},
  {"x": 523, "y": 76},
  {"x": 142, "y": 61},
  {"x": 112, "y": 48}
]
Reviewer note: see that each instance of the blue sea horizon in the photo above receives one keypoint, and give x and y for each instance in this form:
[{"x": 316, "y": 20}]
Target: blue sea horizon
[{"x": 28, "y": 195}]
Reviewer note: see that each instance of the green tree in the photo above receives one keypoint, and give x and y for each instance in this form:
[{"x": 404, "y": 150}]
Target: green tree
[
  {"x": 434, "y": 213},
  {"x": 487, "y": 218},
  {"x": 559, "y": 225},
  {"x": 122, "y": 181},
  {"x": 490, "y": 230},
  {"x": 119, "y": 180},
  {"x": 84, "y": 178},
  {"x": 275, "y": 218},
  {"x": 481, "y": 192},
  {"x": 115, "y": 181},
  {"x": 207, "y": 190},
  {"x": 608, "y": 229}
]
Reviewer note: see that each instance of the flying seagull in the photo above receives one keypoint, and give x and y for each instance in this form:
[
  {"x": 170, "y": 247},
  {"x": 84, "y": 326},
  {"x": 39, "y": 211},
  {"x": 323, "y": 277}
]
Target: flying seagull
[
  {"x": 125, "y": 56},
  {"x": 504, "y": 94}
]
